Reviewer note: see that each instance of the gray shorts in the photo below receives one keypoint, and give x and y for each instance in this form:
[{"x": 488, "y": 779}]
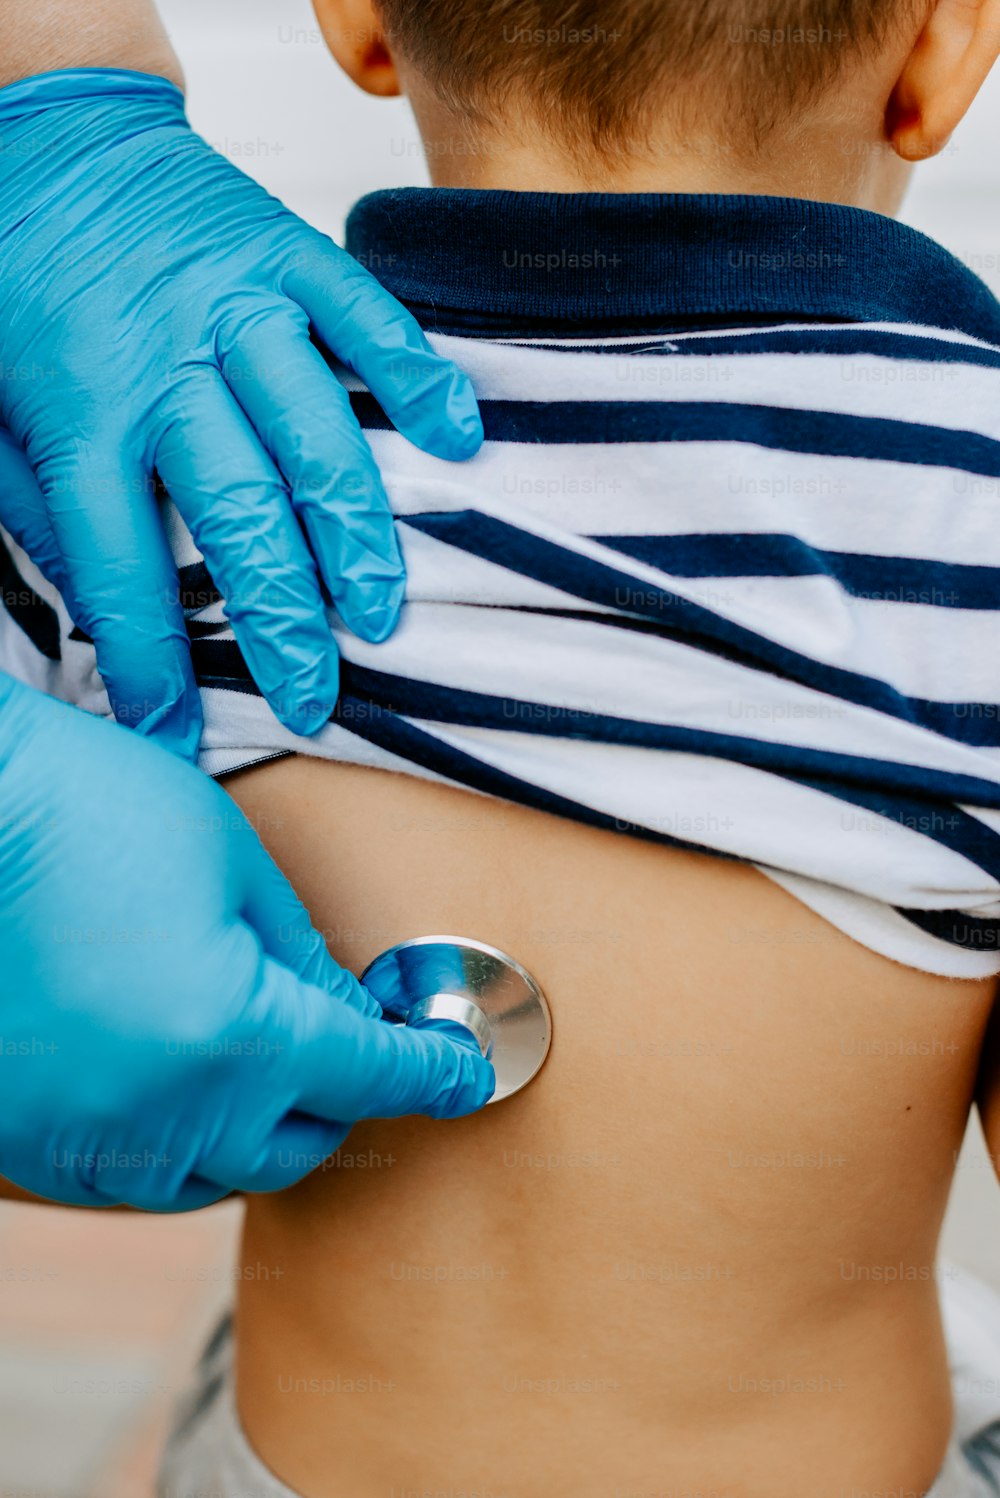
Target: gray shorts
[{"x": 209, "y": 1456}]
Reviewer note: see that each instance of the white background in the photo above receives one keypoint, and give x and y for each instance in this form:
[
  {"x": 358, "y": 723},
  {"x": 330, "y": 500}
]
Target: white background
[{"x": 262, "y": 87}]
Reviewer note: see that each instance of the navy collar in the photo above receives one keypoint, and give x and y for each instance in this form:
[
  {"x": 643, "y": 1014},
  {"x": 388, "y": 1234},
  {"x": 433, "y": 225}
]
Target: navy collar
[{"x": 491, "y": 262}]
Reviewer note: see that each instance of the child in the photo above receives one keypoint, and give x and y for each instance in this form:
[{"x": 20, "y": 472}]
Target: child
[{"x": 724, "y": 581}]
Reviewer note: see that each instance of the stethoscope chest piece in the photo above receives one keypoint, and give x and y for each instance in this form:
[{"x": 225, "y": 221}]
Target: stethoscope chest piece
[{"x": 471, "y": 984}]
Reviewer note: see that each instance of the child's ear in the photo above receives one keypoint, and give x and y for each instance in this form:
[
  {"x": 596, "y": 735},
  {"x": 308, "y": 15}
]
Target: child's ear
[
  {"x": 952, "y": 57},
  {"x": 357, "y": 41}
]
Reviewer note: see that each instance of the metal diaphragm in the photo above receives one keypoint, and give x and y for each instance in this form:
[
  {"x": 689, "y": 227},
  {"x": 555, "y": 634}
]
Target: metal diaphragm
[{"x": 468, "y": 983}]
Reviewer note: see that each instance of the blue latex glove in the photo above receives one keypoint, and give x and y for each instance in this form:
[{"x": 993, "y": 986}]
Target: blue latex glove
[
  {"x": 155, "y": 313},
  {"x": 171, "y": 1025}
]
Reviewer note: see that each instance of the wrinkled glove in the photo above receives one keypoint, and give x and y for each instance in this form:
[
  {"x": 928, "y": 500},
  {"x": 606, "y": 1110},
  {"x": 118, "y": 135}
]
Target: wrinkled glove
[
  {"x": 172, "y": 1027},
  {"x": 155, "y": 314}
]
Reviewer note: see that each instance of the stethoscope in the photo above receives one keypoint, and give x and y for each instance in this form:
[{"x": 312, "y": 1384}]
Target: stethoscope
[{"x": 468, "y": 983}]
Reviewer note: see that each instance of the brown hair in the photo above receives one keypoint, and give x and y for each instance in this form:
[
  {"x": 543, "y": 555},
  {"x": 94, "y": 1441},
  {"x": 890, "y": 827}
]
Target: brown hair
[{"x": 599, "y": 72}]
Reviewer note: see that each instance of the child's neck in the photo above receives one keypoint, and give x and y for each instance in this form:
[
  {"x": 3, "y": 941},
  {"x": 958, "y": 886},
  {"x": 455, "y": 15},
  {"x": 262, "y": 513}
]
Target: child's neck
[{"x": 823, "y": 163}]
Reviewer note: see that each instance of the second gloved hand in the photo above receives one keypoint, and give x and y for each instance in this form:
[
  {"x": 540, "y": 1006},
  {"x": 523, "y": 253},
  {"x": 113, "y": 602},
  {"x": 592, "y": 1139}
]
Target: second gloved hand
[
  {"x": 155, "y": 314},
  {"x": 173, "y": 1027}
]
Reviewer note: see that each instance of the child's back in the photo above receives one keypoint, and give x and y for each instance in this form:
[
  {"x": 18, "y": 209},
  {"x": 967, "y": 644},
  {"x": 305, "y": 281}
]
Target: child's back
[
  {"x": 695, "y": 1257},
  {"x": 734, "y": 588}
]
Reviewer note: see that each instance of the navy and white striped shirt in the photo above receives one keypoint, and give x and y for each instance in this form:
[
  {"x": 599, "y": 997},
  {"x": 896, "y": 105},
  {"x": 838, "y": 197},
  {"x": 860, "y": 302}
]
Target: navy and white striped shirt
[{"x": 726, "y": 573}]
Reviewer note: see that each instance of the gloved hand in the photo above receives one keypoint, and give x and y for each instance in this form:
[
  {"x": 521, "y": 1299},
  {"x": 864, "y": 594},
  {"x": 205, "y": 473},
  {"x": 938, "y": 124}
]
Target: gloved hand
[
  {"x": 171, "y": 1025},
  {"x": 155, "y": 309}
]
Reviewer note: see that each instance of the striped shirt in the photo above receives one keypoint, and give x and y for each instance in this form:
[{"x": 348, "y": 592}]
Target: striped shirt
[{"x": 726, "y": 574}]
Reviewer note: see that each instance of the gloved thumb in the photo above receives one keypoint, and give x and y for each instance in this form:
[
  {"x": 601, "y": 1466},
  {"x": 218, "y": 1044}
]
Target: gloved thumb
[{"x": 349, "y": 1066}]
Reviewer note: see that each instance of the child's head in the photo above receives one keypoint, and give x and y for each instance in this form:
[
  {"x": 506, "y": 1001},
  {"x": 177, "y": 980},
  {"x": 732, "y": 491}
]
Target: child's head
[{"x": 824, "y": 98}]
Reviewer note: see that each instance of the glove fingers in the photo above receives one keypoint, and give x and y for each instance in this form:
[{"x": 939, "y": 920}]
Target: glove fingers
[
  {"x": 336, "y": 487},
  {"x": 427, "y": 398},
  {"x": 191, "y": 1195},
  {"x": 23, "y": 513},
  {"x": 274, "y": 911},
  {"x": 122, "y": 1165},
  {"x": 114, "y": 1188},
  {"x": 297, "y": 1146},
  {"x": 123, "y": 586},
  {"x": 238, "y": 510},
  {"x": 345, "y": 1066}
]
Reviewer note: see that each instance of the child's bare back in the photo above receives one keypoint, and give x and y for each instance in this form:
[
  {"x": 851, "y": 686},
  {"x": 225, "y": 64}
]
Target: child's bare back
[{"x": 694, "y": 1257}]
